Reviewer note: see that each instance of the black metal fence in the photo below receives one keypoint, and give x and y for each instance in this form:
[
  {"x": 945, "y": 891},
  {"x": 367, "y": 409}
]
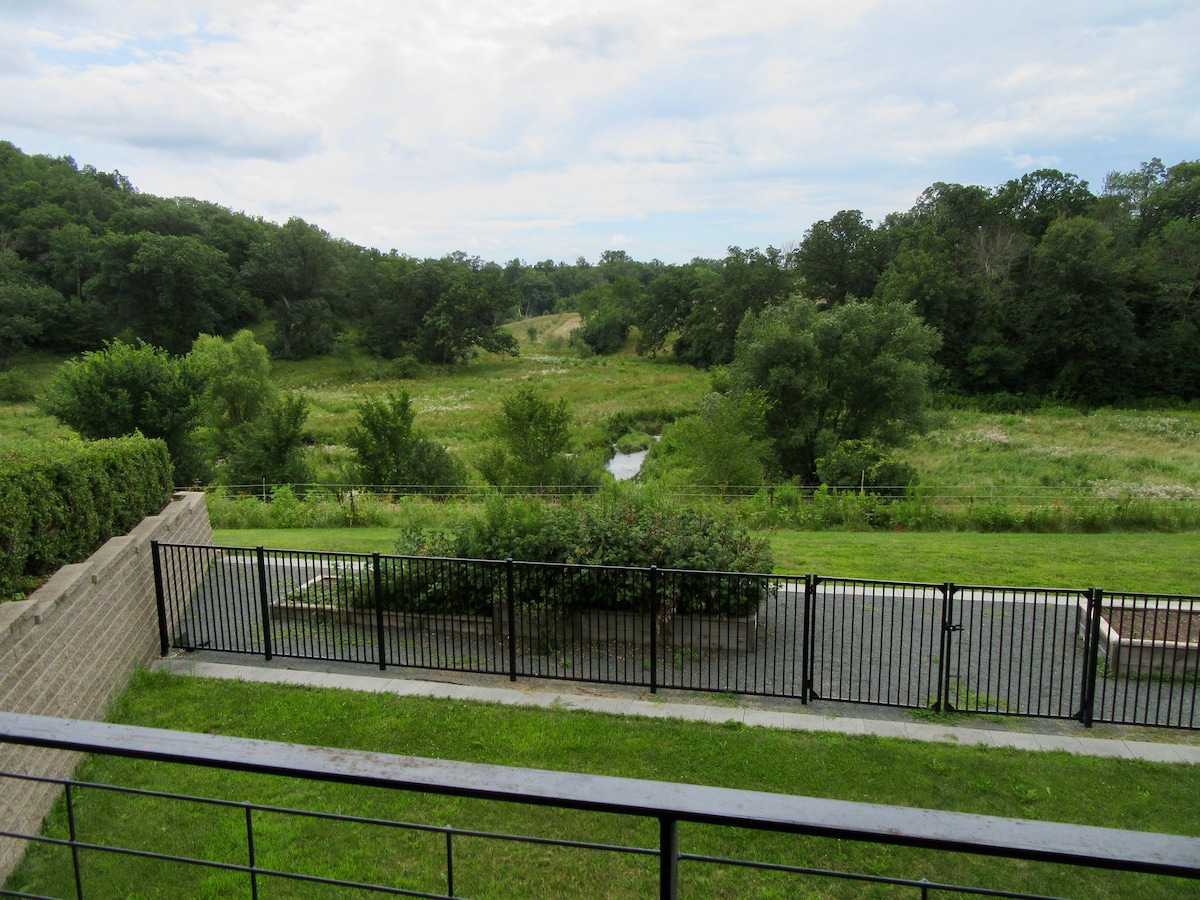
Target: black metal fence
[
  {"x": 1037, "y": 652},
  {"x": 245, "y": 849}
]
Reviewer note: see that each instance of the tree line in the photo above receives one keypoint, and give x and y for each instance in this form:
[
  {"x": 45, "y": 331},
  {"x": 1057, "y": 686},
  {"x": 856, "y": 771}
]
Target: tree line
[{"x": 1038, "y": 287}]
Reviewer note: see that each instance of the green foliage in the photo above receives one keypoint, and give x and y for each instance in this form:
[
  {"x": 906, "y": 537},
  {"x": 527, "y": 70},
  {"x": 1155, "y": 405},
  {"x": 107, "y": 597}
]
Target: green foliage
[
  {"x": 132, "y": 388},
  {"x": 859, "y": 371},
  {"x": 724, "y": 446},
  {"x": 237, "y": 378},
  {"x": 531, "y": 439},
  {"x": 864, "y": 465},
  {"x": 390, "y": 450},
  {"x": 634, "y": 441},
  {"x": 623, "y": 528},
  {"x": 59, "y": 502},
  {"x": 270, "y": 449}
]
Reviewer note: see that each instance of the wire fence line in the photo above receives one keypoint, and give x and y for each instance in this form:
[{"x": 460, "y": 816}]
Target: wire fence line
[{"x": 1084, "y": 654}]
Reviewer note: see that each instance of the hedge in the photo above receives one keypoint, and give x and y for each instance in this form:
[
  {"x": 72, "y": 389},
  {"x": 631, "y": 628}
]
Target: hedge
[{"x": 60, "y": 502}]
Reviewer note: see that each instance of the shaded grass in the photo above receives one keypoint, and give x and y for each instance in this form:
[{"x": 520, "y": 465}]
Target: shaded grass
[{"x": 1050, "y": 786}]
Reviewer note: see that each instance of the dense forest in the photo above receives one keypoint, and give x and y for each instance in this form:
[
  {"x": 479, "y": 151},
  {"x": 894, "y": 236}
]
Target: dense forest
[{"x": 1039, "y": 287}]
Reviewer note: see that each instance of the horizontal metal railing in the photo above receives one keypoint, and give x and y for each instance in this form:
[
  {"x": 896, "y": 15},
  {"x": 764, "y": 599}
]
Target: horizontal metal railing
[
  {"x": 1037, "y": 652},
  {"x": 670, "y": 804}
]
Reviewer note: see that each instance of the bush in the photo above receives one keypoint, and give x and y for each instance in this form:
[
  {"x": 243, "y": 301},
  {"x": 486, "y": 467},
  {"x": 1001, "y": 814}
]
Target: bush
[
  {"x": 390, "y": 450},
  {"x": 60, "y": 502},
  {"x": 621, "y": 528},
  {"x": 129, "y": 389},
  {"x": 863, "y": 465}
]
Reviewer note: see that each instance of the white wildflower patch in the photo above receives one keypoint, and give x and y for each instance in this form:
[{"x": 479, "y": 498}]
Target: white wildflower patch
[
  {"x": 986, "y": 436},
  {"x": 1115, "y": 490}
]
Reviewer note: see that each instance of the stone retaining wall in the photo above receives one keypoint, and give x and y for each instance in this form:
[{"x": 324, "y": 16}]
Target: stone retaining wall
[{"x": 71, "y": 648}]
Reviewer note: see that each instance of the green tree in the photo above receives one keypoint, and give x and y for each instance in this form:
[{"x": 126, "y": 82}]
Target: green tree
[
  {"x": 238, "y": 388},
  {"x": 295, "y": 270},
  {"x": 858, "y": 371},
  {"x": 839, "y": 258},
  {"x": 1082, "y": 337},
  {"x": 390, "y": 450},
  {"x": 725, "y": 445},
  {"x": 270, "y": 449},
  {"x": 128, "y": 389},
  {"x": 531, "y": 436}
]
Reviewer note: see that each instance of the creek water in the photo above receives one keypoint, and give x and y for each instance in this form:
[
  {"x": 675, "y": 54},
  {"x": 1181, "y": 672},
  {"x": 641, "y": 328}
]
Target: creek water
[{"x": 625, "y": 466}]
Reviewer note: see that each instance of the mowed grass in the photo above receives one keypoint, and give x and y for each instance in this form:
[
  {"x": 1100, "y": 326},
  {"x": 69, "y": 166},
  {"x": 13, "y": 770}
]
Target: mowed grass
[
  {"x": 1165, "y": 563},
  {"x": 1049, "y": 786}
]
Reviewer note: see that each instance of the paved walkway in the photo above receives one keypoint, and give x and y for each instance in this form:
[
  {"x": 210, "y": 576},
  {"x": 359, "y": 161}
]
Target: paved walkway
[{"x": 582, "y": 699}]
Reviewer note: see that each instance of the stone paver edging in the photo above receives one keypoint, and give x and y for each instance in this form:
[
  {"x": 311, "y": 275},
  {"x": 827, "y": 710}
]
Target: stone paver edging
[{"x": 917, "y": 731}]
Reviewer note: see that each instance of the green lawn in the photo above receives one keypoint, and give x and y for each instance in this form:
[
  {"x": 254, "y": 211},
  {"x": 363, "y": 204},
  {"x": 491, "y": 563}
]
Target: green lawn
[
  {"x": 1050, "y": 786},
  {"x": 1115, "y": 562}
]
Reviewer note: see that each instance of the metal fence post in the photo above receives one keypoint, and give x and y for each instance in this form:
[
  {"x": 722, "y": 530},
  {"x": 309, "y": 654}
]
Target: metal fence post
[
  {"x": 264, "y": 601},
  {"x": 251, "y": 854},
  {"x": 511, "y": 599},
  {"x": 379, "y": 633},
  {"x": 160, "y": 599},
  {"x": 942, "y": 702},
  {"x": 668, "y": 859},
  {"x": 808, "y": 605},
  {"x": 1091, "y": 650},
  {"x": 654, "y": 629}
]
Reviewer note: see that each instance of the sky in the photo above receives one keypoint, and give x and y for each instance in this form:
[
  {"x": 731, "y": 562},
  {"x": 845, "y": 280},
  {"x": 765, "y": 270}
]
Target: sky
[{"x": 556, "y": 129}]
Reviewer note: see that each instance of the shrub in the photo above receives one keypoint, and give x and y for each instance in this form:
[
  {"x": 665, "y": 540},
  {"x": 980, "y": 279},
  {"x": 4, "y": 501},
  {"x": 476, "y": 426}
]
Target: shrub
[
  {"x": 126, "y": 389},
  {"x": 60, "y": 502},
  {"x": 621, "y": 528},
  {"x": 391, "y": 451},
  {"x": 863, "y": 465}
]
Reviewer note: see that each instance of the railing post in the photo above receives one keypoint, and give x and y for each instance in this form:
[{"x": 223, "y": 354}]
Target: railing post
[
  {"x": 449, "y": 861},
  {"x": 264, "y": 601},
  {"x": 511, "y": 600},
  {"x": 160, "y": 600},
  {"x": 1091, "y": 650},
  {"x": 251, "y": 855},
  {"x": 807, "y": 615},
  {"x": 942, "y": 703},
  {"x": 379, "y": 633},
  {"x": 74, "y": 834},
  {"x": 668, "y": 859},
  {"x": 654, "y": 629}
]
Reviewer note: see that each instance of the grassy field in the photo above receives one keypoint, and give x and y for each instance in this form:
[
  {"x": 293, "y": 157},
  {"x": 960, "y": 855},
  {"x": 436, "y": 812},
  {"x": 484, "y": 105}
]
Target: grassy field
[
  {"x": 1143, "y": 465},
  {"x": 1050, "y": 786},
  {"x": 1117, "y": 562}
]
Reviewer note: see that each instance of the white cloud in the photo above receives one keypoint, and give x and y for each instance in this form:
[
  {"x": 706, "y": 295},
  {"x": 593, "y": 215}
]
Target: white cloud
[{"x": 528, "y": 127}]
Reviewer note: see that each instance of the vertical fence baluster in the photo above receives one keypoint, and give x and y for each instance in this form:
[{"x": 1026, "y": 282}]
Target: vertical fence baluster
[
  {"x": 264, "y": 601},
  {"x": 806, "y": 661},
  {"x": 943, "y": 687},
  {"x": 379, "y": 632},
  {"x": 74, "y": 843},
  {"x": 1092, "y": 651},
  {"x": 511, "y": 600},
  {"x": 654, "y": 629},
  {"x": 250, "y": 851},
  {"x": 449, "y": 861}
]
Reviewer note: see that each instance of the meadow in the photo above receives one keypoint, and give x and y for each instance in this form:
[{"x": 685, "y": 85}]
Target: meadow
[{"x": 1049, "y": 468}]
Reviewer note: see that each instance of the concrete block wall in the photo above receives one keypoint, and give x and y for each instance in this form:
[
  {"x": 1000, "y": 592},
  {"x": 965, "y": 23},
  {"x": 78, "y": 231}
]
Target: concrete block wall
[{"x": 71, "y": 648}]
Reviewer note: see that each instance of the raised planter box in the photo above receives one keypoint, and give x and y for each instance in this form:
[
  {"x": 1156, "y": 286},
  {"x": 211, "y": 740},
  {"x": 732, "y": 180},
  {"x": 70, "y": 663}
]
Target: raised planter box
[
  {"x": 1159, "y": 654},
  {"x": 739, "y": 634}
]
